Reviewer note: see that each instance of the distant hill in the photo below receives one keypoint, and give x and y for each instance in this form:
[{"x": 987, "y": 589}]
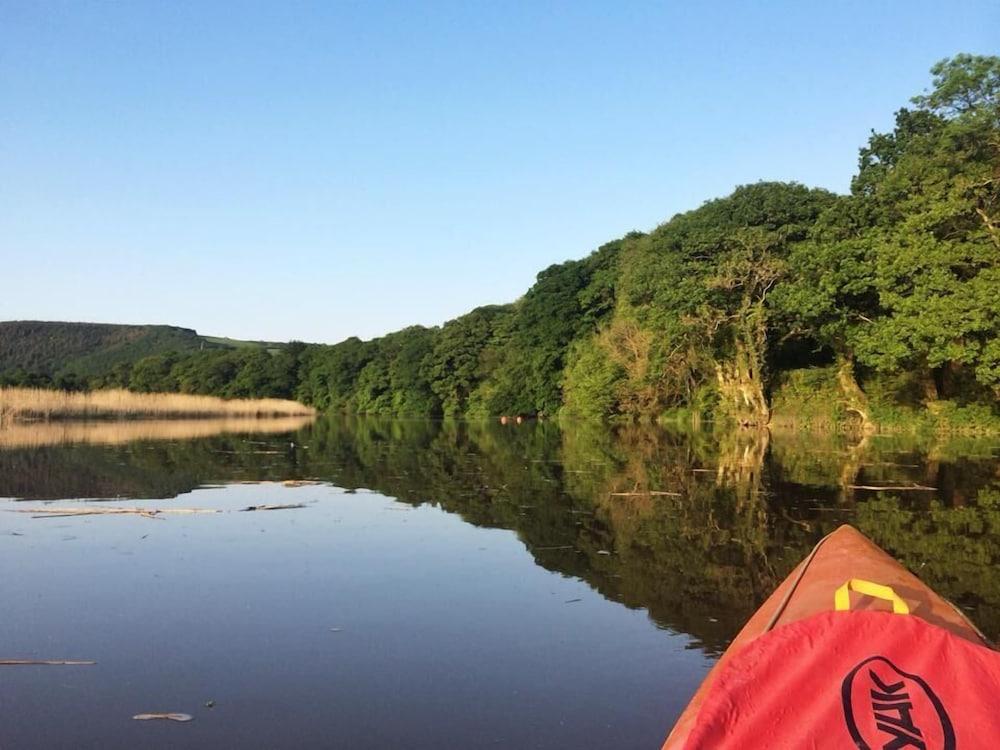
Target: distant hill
[{"x": 91, "y": 348}]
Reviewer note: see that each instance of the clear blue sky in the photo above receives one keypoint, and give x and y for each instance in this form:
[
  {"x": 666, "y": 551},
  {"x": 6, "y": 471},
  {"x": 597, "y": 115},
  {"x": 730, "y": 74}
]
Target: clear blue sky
[{"x": 316, "y": 170}]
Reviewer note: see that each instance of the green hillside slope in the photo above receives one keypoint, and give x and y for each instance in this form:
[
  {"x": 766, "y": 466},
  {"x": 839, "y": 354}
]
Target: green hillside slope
[{"x": 85, "y": 349}]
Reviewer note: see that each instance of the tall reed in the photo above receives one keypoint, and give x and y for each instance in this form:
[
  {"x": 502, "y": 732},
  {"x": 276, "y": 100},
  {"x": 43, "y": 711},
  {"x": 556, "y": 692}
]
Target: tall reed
[{"x": 37, "y": 403}]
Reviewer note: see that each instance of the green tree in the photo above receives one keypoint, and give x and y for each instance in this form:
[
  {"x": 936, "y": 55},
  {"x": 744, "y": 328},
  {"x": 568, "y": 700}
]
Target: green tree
[
  {"x": 153, "y": 374},
  {"x": 700, "y": 287},
  {"x": 935, "y": 191},
  {"x": 592, "y": 381},
  {"x": 329, "y": 373},
  {"x": 454, "y": 366},
  {"x": 412, "y": 394}
]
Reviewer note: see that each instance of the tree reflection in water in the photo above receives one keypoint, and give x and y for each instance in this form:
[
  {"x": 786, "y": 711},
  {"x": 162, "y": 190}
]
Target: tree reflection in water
[{"x": 695, "y": 527}]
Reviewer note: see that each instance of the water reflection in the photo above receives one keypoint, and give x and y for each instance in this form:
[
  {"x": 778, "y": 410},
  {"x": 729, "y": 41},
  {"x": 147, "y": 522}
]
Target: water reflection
[
  {"x": 117, "y": 432},
  {"x": 695, "y": 528}
]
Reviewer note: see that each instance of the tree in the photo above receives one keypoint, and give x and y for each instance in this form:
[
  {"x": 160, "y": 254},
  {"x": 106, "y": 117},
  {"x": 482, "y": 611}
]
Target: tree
[
  {"x": 829, "y": 294},
  {"x": 568, "y": 301},
  {"x": 701, "y": 284},
  {"x": 208, "y": 373},
  {"x": 592, "y": 380},
  {"x": 153, "y": 374},
  {"x": 545, "y": 321},
  {"x": 934, "y": 185},
  {"x": 412, "y": 394},
  {"x": 329, "y": 373},
  {"x": 453, "y": 367}
]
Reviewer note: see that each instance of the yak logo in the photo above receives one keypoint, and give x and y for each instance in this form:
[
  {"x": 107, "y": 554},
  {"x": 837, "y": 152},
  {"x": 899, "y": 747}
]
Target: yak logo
[{"x": 889, "y": 709}]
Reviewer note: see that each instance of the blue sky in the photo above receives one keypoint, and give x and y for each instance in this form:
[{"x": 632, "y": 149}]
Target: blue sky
[{"x": 318, "y": 170}]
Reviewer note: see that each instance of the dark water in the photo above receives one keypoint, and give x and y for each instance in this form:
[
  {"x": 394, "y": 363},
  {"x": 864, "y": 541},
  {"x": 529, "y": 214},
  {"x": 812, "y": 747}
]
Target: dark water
[{"x": 445, "y": 585}]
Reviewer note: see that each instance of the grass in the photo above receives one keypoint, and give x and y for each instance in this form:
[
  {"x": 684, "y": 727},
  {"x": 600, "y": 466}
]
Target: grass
[
  {"x": 229, "y": 343},
  {"x": 41, "y": 404}
]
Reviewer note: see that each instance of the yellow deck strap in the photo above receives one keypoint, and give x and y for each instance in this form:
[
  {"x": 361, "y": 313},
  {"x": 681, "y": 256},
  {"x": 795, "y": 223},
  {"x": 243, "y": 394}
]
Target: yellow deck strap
[{"x": 842, "y": 598}]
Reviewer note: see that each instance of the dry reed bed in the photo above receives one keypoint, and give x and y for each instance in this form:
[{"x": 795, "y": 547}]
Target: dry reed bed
[{"x": 37, "y": 403}]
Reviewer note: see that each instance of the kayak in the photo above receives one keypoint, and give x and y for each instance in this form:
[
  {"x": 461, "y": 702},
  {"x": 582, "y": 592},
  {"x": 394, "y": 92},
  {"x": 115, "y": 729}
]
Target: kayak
[{"x": 850, "y": 651}]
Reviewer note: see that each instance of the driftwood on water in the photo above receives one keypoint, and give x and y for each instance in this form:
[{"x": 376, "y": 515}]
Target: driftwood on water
[
  {"x": 897, "y": 487},
  {"x": 46, "y": 662},
  {"x": 167, "y": 716},
  {"x": 93, "y": 511},
  {"x": 286, "y": 506},
  {"x": 144, "y": 512},
  {"x": 647, "y": 492}
]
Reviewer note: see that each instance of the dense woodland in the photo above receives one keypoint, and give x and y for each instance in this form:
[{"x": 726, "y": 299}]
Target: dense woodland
[
  {"x": 775, "y": 300},
  {"x": 69, "y": 354}
]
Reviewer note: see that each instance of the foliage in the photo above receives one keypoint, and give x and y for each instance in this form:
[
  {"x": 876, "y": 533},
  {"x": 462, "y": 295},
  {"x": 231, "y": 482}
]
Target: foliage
[
  {"x": 592, "y": 381},
  {"x": 84, "y": 349},
  {"x": 460, "y": 361},
  {"x": 936, "y": 242}
]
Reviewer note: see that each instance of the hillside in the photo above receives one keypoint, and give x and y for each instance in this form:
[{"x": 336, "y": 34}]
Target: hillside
[{"x": 57, "y": 349}]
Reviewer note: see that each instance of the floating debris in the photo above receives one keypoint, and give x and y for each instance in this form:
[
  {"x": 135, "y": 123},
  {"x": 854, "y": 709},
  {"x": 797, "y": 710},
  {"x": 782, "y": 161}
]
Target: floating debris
[
  {"x": 336, "y": 630},
  {"x": 46, "y": 662},
  {"x": 209, "y": 704},
  {"x": 286, "y": 506},
  {"x": 896, "y": 487},
  {"x": 570, "y": 601},
  {"x": 168, "y": 717},
  {"x": 145, "y": 512},
  {"x": 647, "y": 492}
]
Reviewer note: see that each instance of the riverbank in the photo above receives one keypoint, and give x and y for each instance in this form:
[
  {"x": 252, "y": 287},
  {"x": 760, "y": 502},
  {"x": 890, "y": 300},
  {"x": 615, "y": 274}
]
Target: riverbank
[
  {"x": 22, "y": 404},
  {"x": 813, "y": 399}
]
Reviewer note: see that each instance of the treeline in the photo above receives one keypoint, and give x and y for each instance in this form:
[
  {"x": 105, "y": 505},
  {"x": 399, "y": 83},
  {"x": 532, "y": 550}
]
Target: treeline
[{"x": 862, "y": 303}]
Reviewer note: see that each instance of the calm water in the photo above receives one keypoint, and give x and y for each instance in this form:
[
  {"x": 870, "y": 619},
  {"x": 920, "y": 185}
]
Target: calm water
[{"x": 445, "y": 585}]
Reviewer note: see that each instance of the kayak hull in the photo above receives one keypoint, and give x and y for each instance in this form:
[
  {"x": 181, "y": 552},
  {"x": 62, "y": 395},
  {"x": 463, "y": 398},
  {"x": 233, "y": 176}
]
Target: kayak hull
[{"x": 809, "y": 590}]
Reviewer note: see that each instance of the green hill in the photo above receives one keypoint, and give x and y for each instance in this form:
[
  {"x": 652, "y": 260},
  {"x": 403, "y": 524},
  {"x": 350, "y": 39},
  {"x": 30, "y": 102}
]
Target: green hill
[{"x": 85, "y": 349}]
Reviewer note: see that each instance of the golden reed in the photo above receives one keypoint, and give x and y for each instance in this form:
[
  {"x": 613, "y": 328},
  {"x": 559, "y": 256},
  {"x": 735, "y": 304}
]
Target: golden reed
[{"x": 38, "y": 403}]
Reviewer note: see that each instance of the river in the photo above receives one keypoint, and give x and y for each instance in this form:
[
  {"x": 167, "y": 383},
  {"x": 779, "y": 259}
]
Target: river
[{"x": 439, "y": 584}]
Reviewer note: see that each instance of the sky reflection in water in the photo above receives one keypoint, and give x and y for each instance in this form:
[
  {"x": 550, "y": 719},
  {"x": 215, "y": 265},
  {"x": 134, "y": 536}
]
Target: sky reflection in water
[{"x": 463, "y": 585}]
